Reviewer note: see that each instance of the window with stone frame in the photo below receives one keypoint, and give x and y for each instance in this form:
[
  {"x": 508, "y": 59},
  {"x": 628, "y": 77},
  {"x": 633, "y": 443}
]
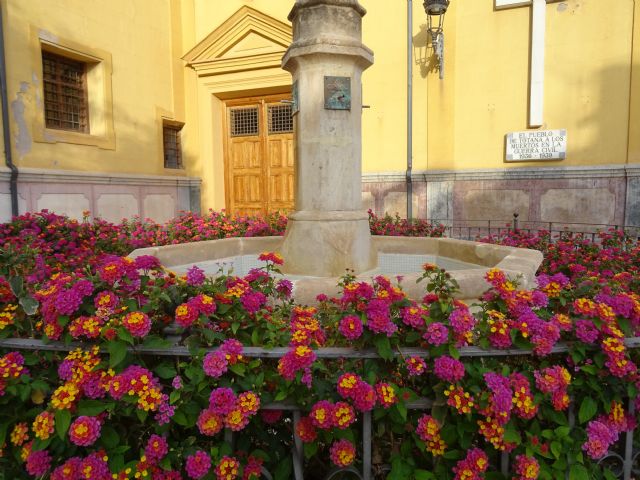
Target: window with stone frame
[
  {"x": 66, "y": 105},
  {"x": 171, "y": 144}
]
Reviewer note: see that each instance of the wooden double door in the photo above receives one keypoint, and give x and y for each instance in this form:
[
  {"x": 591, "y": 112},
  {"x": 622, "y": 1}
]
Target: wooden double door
[{"x": 259, "y": 155}]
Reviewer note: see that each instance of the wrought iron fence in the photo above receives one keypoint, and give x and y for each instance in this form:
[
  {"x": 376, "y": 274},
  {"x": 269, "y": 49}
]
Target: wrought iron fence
[
  {"x": 473, "y": 229},
  {"x": 623, "y": 462}
]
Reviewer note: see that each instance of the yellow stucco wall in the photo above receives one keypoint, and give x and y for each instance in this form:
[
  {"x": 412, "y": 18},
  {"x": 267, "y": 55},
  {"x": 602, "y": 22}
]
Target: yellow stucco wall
[
  {"x": 634, "y": 115},
  {"x": 459, "y": 122},
  {"x": 137, "y": 37}
]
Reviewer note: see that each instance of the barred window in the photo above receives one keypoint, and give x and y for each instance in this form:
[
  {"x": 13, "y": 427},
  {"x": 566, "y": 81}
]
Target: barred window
[
  {"x": 280, "y": 118},
  {"x": 65, "y": 93},
  {"x": 244, "y": 121},
  {"x": 171, "y": 142}
]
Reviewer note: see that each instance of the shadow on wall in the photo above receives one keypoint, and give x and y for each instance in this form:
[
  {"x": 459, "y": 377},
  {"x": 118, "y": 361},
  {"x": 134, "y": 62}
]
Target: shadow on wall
[{"x": 423, "y": 52}]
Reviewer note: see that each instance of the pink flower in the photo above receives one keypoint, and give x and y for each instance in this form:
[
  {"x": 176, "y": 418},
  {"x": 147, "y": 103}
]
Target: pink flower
[
  {"x": 347, "y": 384},
  {"x": 526, "y": 468},
  {"x": 472, "y": 466},
  {"x": 306, "y": 430},
  {"x": 215, "y": 364},
  {"x": 186, "y": 314},
  {"x": 416, "y": 366},
  {"x": 209, "y": 423},
  {"x": 448, "y": 369},
  {"x": 97, "y": 465},
  {"x": 195, "y": 276},
  {"x": 198, "y": 464},
  {"x": 232, "y": 348},
  {"x": 386, "y": 394},
  {"x": 322, "y": 414},
  {"x": 222, "y": 400},
  {"x": 413, "y": 316},
  {"x": 137, "y": 323},
  {"x": 343, "y": 415},
  {"x": 350, "y": 327},
  {"x": 228, "y": 468},
  {"x": 203, "y": 304},
  {"x": 69, "y": 470},
  {"x": 252, "y": 301},
  {"x": 156, "y": 448},
  {"x": 364, "y": 397},
  {"x": 84, "y": 431},
  {"x": 436, "y": 334},
  {"x": 342, "y": 453},
  {"x": 600, "y": 437},
  {"x": 38, "y": 463}
]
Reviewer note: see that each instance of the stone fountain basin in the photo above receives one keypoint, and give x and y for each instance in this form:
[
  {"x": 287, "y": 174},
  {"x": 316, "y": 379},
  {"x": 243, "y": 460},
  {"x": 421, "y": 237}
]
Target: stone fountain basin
[{"x": 466, "y": 261}]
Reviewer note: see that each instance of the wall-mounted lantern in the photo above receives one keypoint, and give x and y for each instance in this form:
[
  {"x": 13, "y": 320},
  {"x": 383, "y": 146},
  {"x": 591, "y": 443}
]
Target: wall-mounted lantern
[{"x": 435, "y": 10}]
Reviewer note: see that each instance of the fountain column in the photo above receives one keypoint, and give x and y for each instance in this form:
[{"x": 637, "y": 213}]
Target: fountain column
[{"x": 329, "y": 231}]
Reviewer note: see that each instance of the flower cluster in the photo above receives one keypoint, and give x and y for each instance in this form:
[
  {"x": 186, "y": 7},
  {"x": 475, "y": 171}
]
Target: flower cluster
[
  {"x": 555, "y": 380},
  {"x": 229, "y": 410},
  {"x": 472, "y": 467},
  {"x": 139, "y": 383},
  {"x": 428, "y": 431},
  {"x": 215, "y": 364}
]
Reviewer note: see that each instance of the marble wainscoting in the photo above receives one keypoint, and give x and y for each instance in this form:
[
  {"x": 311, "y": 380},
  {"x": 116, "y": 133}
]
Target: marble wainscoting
[
  {"x": 108, "y": 196},
  {"x": 608, "y": 195}
]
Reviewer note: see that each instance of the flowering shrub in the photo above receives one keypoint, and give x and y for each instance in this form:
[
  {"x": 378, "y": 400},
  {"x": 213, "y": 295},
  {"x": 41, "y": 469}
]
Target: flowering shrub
[{"x": 114, "y": 404}]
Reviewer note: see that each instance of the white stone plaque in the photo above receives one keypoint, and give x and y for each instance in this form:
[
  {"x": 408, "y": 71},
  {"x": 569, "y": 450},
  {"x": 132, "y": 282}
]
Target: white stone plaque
[{"x": 536, "y": 145}]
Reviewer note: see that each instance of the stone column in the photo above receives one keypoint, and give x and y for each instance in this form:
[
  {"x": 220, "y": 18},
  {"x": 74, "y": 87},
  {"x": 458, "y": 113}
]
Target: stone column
[{"x": 329, "y": 231}]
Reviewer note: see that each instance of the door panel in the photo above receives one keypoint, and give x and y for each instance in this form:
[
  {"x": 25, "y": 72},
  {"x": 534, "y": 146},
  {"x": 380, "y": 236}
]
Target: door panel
[{"x": 259, "y": 158}]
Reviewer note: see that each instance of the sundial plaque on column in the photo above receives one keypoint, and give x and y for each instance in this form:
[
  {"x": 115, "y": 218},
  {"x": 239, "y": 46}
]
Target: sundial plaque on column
[{"x": 337, "y": 93}]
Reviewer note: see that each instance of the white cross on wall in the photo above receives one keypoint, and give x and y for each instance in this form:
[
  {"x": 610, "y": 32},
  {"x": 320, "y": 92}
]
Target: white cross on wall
[{"x": 538, "y": 28}]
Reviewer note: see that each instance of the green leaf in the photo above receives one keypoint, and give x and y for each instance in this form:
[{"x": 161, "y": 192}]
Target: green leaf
[
  {"x": 154, "y": 341},
  {"x": 109, "y": 437},
  {"x": 3, "y": 432},
  {"x": 125, "y": 335},
  {"x": 239, "y": 369},
  {"x": 92, "y": 407},
  {"x": 453, "y": 351},
  {"x": 16, "y": 285},
  {"x": 63, "y": 420},
  {"x": 180, "y": 418},
  {"x": 511, "y": 435},
  {"x": 556, "y": 449},
  {"x": 40, "y": 444},
  {"x": 609, "y": 475},
  {"x": 283, "y": 470},
  {"x": 588, "y": 409},
  {"x": 402, "y": 410},
  {"x": 29, "y": 305},
  {"x": 578, "y": 472},
  {"x": 310, "y": 449},
  {"x": 383, "y": 345},
  {"x": 280, "y": 396},
  {"x": 117, "y": 352},
  {"x": 165, "y": 371},
  {"x": 423, "y": 475}
]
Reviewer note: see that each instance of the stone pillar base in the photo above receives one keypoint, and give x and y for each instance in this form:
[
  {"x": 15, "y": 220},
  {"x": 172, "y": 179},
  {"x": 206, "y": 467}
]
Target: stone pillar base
[{"x": 326, "y": 244}]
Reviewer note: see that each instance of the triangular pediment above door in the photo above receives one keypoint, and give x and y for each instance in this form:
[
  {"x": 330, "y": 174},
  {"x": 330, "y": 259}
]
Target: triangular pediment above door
[{"x": 247, "y": 40}]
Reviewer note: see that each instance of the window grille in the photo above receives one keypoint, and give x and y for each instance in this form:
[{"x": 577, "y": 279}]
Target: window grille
[
  {"x": 172, "y": 148},
  {"x": 244, "y": 121},
  {"x": 280, "y": 118},
  {"x": 65, "y": 93}
]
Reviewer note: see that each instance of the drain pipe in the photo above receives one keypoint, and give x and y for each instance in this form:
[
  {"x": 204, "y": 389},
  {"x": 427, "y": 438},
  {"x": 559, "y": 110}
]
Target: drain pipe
[
  {"x": 409, "y": 110},
  {"x": 6, "y": 134}
]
